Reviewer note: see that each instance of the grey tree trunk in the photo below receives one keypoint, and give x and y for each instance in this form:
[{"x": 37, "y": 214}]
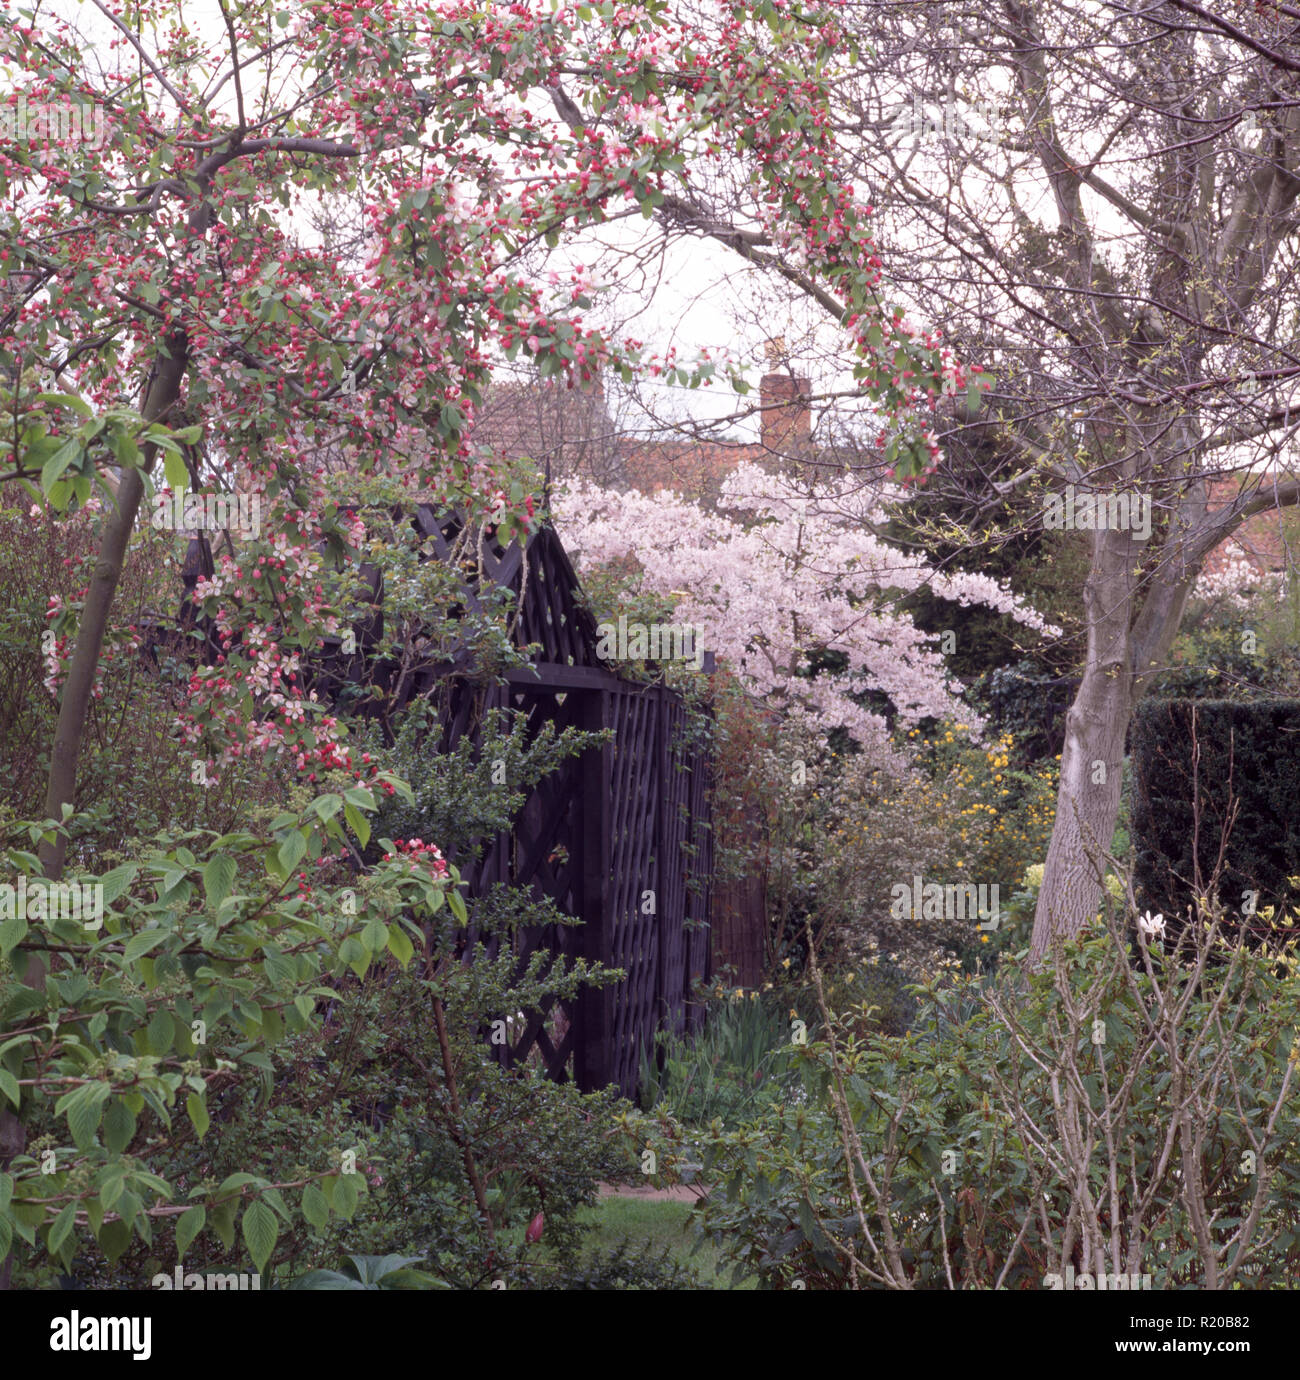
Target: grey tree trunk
[{"x": 1092, "y": 758}]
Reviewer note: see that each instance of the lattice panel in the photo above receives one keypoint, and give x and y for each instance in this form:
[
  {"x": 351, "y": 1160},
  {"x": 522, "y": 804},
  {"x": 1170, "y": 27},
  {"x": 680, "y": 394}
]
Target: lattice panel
[
  {"x": 633, "y": 943},
  {"x": 601, "y": 832}
]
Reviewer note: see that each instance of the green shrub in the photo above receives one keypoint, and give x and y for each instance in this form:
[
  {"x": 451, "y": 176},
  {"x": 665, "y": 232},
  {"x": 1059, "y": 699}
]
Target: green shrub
[
  {"x": 622, "y": 1267},
  {"x": 1116, "y": 1112}
]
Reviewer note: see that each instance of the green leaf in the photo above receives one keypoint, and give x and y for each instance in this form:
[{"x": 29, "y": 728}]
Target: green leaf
[
  {"x": 260, "y": 1232},
  {"x": 177, "y": 472},
  {"x": 347, "y": 1190},
  {"x": 218, "y": 879},
  {"x": 358, "y": 823},
  {"x": 223, "y": 1221},
  {"x": 399, "y": 945},
  {"x": 59, "y": 461},
  {"x": 140, "y": 944},
  {"x": 83, "y": 1108},
  {"x": 114, "y": 1237},
  {"x": 117, "y": 881},
  {"x": 375, "y": 936},
  {"x": 292, "y": 849},
  {"x": 314, "y": 1207},
  {"x": 282, "y": 971},
  {"x": 188, "y": 1226},
  {"x": 196, "y": 1106},
  {"x": 62, "y": 1228},
  {"x": 12, "y": 933},
  {"x": 78, "y": 405},
  {"x": 160, "y": 1032},
  {"x": 456, "y": 903},
  {"x": 9, "y": 1086},
  {"x": 125, "y": 450},
  {"x": 119, "y": 1126}
]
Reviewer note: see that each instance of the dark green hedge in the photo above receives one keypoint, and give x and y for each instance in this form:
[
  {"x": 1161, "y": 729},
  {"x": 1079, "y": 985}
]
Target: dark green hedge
[{"x": 1250, "y": 756}]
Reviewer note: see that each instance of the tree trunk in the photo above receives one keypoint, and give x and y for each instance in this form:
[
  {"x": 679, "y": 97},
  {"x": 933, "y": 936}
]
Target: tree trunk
[
  {"x": 1092, "y": 760},
  {"x": 163, "y": 391}
]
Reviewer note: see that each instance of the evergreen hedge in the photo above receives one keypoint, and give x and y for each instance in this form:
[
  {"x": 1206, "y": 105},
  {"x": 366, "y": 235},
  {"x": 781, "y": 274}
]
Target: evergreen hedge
[{"x": 1249, "y": 758}]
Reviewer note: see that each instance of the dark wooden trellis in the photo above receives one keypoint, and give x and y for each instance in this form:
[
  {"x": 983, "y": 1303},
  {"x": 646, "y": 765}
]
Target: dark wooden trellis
[{"x": 618, "y": 838}]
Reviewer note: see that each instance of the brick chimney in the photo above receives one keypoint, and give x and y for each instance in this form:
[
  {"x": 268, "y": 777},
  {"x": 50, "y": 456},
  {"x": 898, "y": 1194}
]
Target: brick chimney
[{"x": 786, "y": 418}]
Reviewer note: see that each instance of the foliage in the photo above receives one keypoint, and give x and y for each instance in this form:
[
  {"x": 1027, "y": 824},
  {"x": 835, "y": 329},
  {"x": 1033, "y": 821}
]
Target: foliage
[
  {"x": 461, "y": 1144},
  {"x": 370, "y": 1272},
  {"x": 467, "y": 795},
  {"x": 963, "y": 813},
  {"x": 624, "y": 1267},
  {"x": 169, "y": 987},
  {"x": 736, "y": 1065},
  {"x": 1029, "y": 704},
  {"x": 136, "y": 774},
  {"x": 1033, "y": 1121},
  {"x": 1238, "y": 640}
]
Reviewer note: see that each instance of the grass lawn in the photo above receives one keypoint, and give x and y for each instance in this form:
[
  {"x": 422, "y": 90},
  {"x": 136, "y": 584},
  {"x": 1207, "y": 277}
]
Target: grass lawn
[{"x": 663, "y": 1224}]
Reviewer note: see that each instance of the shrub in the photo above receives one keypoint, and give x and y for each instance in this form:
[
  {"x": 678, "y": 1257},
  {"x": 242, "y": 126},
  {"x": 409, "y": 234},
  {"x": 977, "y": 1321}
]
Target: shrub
[
  {"x": 621, "y": 1267},
  {"x": 163, "y": 1010},
  {"x": 963, "y": 815},
  {"x": 1118, "y": 1112}
]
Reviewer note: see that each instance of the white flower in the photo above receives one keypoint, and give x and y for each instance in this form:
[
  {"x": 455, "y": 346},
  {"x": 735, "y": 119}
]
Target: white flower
[{"x": 1153, "y": 926}]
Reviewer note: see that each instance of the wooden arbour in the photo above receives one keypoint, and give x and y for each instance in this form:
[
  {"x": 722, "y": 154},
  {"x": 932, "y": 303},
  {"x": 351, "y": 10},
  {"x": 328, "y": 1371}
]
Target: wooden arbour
[{"x": 619, "y": 837}]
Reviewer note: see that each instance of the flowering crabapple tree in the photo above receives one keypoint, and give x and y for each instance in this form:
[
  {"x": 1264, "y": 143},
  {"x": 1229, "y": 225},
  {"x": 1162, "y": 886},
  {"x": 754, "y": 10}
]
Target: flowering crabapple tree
[
  {"x": 160, "y": 269},
  {"x": 783, "y": 576},
  {"x": 165, "y": 320}
]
